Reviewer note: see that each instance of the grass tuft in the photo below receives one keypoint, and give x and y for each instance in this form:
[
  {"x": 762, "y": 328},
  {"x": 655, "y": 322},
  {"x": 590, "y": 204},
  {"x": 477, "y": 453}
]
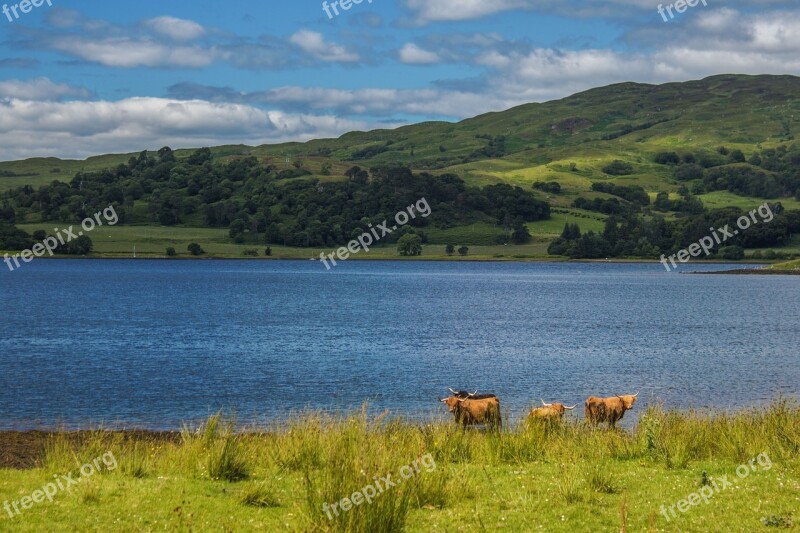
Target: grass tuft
[{"x": 259, "y": 495}]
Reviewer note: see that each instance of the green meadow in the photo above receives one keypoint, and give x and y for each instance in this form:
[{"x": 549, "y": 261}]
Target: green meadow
[
  {"x": 530, "y": 477},
  {"x": 152, "y": 242},
  {"x": 789, "y": 265}
]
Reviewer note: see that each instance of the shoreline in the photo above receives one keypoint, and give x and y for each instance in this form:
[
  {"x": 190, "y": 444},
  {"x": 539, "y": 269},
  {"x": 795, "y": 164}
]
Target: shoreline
[
  {"x": 753, "y": 272},
  {"x": 477, "y": 259},
  {"x": 25, "y": 449}
]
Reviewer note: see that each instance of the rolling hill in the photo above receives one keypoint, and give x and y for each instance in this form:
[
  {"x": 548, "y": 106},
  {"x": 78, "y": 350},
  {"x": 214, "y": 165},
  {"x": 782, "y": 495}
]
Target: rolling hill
[{"x": 572, "y": 141}]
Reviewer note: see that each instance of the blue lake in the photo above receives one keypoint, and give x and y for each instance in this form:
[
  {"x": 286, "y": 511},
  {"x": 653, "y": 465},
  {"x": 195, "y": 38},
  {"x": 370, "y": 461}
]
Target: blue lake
[{"x": 156, "y": 343}]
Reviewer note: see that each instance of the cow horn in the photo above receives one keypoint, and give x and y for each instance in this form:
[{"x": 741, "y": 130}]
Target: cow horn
[
  {"x": 473, "y": 394},
  {"x": 571, "y": 408},
  {"x": 637, "y": 394},
  {"x": 451, "y": 390},
  {"x": 546, "y": 404},
  {"x": 443, "y": 400}
]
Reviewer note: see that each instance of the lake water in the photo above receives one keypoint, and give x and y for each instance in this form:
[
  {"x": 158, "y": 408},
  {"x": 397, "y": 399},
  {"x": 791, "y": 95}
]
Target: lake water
[{"x": 155, "y": 343}]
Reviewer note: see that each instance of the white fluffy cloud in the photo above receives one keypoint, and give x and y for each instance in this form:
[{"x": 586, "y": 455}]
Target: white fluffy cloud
[
  {"x": 128, "y": 53},
  {"x": 450, "y": 10},
  {"x": 175, "y": 28},
  {"x": 313, "y": 43},
  {"x": 414, "y": 55},
  {"x": 31, "y": 128}
]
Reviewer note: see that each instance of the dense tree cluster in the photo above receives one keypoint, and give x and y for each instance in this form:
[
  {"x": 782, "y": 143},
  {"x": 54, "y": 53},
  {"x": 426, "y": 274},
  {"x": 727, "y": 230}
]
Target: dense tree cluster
[
  {"x": 552, "y": 187},
  {"x": 496, "y": 147},
  {"x": 608, "y": 206},
  {"x": 770, "y": 173},
  {"x": 369, "y": 152},
  {"x": 687, "y": 204},
  {"x": 636, "y": 236},
  {"x": 259, "y": 202},
  {"x": 13, "y": 238},
  {"x": 631, "y": 193},
  {"x": 618, "y": 168},
  {"x": 633, "y": 198},
  {"x": 410, "y": 245}
]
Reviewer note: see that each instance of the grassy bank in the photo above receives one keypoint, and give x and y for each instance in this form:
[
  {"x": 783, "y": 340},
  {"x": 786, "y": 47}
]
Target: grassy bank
[
  {"x": 557, "y": 478},
  {"x": 792, "y": 266}
]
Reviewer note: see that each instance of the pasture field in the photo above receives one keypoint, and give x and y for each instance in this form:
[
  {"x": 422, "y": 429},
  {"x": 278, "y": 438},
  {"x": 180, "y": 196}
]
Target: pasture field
[
  {"x": 563, "y": 477},
  {"x": 41, "y": 171},
  {"x": 152, "y": 242},
  {"x": 719, "y": 199}
]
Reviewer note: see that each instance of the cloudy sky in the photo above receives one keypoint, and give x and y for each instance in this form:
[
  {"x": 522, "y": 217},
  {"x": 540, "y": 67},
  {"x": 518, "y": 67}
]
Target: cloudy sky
[{"x": 91, "y": 77}]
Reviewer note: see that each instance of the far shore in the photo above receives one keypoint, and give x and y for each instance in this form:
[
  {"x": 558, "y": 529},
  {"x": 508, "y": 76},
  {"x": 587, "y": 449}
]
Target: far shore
[
  {"x": 755, "y": 272},
  {"x": 447, "y": 259}
]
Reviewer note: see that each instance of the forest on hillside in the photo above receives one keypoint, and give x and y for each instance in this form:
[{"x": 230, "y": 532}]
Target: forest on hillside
[
  {"x": 258, "y": 202},
  {"x": 637, "y": 227}
]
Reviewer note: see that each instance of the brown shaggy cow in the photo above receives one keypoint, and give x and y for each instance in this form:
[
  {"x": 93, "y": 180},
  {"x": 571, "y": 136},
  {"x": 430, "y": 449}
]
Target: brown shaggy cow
[
  {"x": 609, "y": 410},
  {"x": 550, "y": 411},
  {"x": 468, "y": 411}
]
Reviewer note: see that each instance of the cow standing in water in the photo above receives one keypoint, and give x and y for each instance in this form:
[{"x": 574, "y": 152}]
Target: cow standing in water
[
  {"x": 472, "y": 409},
  {"x": 610, "y": 409}
]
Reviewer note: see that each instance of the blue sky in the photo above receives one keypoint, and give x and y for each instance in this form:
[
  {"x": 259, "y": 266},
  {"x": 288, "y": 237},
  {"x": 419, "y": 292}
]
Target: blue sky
[{"x": 89, "y": 77}]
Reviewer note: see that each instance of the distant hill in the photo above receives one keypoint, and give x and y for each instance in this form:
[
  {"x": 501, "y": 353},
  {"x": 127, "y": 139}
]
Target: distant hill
[{"x": 705, "y": 138}]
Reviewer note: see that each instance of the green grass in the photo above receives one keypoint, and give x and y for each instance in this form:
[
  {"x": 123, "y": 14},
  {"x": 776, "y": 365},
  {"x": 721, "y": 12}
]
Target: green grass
[
  {"x": 566, "y": 477},
  {"x": 480, "y": 233},
  {"x": 718, "y": 199},
  {"x": 790, "y": 265},
  {"x": 587, "y": 220},
  {"x": 47, "y": 169},
  {"x": 152, "y": 241}
]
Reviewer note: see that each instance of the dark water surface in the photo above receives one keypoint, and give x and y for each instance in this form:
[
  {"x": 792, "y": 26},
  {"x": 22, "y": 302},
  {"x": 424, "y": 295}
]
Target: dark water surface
[{"x": 155, "y": 343}]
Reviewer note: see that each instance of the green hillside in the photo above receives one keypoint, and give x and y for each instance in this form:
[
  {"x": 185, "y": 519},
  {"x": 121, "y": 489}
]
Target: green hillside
[{"x": 573, "y": 142}]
